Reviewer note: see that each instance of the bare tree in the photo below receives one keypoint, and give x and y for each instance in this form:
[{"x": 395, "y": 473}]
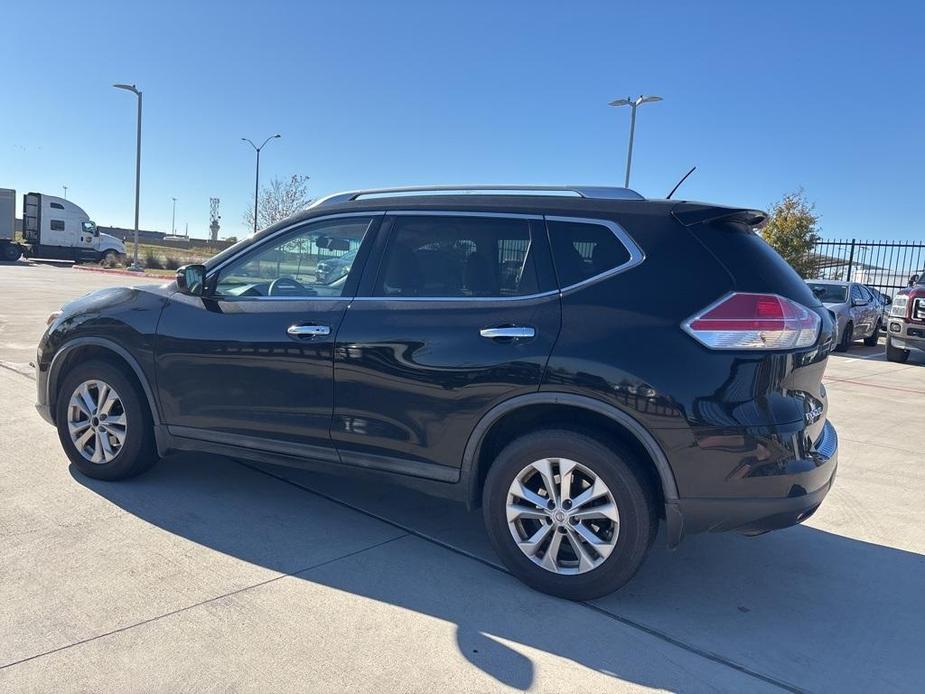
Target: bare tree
[{"x": 279, "y": 200}]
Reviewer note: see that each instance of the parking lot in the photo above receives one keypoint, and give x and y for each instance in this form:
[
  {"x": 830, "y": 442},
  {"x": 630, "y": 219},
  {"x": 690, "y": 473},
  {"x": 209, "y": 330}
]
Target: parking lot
[{"x": 209, "y": 574}]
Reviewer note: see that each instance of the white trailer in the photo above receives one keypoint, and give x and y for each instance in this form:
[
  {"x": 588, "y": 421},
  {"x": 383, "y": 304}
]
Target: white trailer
[{"x": 52, "y": 227}]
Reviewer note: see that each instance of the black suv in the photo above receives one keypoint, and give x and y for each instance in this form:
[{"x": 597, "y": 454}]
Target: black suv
[{"x": 582, "y": 362}]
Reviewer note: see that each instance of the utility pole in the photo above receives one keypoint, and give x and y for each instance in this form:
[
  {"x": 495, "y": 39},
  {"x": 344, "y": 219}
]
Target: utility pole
[
  {"x": 137, "y": 92},
  {"x": 634, "y": 104},
  {"x": 173, "y": 218}
]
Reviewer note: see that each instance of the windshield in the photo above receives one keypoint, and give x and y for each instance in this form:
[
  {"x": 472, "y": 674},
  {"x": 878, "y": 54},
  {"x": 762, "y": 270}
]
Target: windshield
[{"x": 830, "y": 293}]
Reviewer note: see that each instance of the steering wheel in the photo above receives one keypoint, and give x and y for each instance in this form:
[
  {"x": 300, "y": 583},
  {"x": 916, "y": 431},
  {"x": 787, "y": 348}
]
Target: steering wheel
[{"x": 286, "y": 286}]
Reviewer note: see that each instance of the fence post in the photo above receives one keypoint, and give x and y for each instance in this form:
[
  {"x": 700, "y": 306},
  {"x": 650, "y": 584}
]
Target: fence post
[{"x": 850, "y": 261}]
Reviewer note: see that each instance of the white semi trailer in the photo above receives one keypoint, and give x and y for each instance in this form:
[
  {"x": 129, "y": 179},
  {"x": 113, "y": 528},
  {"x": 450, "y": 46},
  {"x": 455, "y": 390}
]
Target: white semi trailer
[{"x": 52, "y": 227}]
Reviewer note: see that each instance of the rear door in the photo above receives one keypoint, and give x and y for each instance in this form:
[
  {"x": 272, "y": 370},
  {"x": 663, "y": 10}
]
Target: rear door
[{"x": 460, "y": 314}]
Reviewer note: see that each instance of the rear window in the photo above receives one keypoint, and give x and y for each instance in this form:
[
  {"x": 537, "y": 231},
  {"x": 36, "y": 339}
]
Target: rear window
[
  {"x": 583, "y": 250},
  {"x": 829, "y": 293}
]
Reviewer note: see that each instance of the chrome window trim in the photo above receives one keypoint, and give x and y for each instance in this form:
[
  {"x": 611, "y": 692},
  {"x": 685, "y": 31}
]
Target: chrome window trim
[
  {"x": 295, "y": 225},
  {"x": 637, "y": 256}
]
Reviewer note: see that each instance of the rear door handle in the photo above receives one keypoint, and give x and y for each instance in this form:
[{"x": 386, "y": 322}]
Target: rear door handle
[
  {"x": 512, "y": 331},
  {"x": 309, "y": 330}
]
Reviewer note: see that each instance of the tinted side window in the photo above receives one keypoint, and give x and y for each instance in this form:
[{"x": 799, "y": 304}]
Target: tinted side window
[
  {"x": 57, "y": 225},
  {"x": 856, "y": 293},
  {"x": 443, "y": 256},
  {"x": 57, "y": 205},
  {"x": 582, "y": 250}
]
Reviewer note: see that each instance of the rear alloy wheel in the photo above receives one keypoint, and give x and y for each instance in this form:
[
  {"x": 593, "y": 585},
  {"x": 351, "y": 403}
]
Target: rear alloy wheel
[
  {"x": 562, "y": 516},
  {"x": 103, "y": 423},
  {"x": 568, "y": 514},
  {"x": 896, "y": 354},
  {"x": 872, "y": 339}
]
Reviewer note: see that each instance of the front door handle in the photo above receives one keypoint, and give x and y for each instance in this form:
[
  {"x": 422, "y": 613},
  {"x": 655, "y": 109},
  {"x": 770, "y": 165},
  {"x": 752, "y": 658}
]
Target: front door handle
[
  {"x": 512, "y": 331},
  {"x": 308, "y": 330}
]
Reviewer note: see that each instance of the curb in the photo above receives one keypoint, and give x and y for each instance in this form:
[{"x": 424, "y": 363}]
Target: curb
[{"x": 127, "y": 273}]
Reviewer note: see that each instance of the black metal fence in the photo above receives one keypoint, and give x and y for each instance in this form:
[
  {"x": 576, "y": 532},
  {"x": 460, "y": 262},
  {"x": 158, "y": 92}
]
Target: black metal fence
[{"x": 885, "y": 265}]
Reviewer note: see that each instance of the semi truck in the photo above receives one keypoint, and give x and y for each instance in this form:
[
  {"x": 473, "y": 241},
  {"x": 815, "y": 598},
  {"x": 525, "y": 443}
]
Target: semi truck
[{"x": 52, "y": 228}]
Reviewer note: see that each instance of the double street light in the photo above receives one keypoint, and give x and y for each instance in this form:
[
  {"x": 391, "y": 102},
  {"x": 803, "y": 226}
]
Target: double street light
[
  {"x": 137, "y": 92},
  {"x": 257, "y": 176},
  {"x": 634, "y": 104}
]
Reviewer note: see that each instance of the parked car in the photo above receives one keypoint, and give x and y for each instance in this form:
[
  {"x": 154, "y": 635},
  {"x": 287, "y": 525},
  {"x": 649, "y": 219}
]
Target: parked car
[
  {"x": 581, "y": 401},
  {"x": 907, "y": 321},
  {"x": 884, "y": 301},
  {"x": 332, "y": 269},
  {"x": 857, "y": 314}
]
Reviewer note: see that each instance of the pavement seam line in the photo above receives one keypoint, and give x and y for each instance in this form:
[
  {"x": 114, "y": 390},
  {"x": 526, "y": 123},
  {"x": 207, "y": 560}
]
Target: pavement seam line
[
  {"x": 655, "y": 633},
  {"x": 127, "y": 627},
  {"x": 8, "y": 366}
]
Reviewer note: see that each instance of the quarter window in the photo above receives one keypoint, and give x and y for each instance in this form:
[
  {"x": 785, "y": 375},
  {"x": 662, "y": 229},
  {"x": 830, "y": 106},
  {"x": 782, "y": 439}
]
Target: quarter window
[
  {"x": 312, "y": 262},
  {"x": 446, "y": 256},
  {"x": 583, "y": 250},
  {"x": 56, "y": 225}
]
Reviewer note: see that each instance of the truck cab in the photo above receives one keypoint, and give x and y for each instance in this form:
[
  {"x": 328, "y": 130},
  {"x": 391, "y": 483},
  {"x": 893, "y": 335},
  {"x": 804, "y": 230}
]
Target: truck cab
[{"x": 56, "y": 228}]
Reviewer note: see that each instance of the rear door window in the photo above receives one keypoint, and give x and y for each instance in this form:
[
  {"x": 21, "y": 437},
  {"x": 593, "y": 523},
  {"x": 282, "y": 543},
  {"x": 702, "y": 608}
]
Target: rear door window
[
  {"x": 437, "y": 256},
  {"x": 583, "y": 250}
]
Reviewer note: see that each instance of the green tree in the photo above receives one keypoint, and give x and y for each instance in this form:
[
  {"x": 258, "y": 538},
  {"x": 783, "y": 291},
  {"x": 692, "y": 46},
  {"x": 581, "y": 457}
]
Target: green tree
[{"x": 792, "y": 231}]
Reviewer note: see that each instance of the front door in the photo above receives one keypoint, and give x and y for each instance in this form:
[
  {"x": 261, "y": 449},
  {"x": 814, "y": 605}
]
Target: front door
[
  {"x": 460, "y": 314},
  {"x": 251, "y": 363}
]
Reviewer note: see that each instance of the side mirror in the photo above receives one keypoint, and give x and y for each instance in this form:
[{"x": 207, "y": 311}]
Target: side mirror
[{"x": 190, "y": 279}]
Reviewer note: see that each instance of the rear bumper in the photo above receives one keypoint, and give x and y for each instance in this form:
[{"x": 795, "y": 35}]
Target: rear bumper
[{"x": 755, "y": 515}]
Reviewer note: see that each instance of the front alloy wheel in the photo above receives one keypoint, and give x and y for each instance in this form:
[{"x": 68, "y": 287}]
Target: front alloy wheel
[
  {"x": 103, "y": 422},
  {"x": 562, "y": 516},
  {"x": 96, "y": 421}
]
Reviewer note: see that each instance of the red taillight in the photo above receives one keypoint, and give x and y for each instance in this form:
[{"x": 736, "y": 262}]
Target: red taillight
[{"x": 755, "y": 321}]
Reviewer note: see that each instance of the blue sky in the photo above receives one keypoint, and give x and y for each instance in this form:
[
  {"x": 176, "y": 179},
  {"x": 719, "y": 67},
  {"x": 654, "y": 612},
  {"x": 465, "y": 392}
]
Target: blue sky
[{"x": 762, "y": 97}]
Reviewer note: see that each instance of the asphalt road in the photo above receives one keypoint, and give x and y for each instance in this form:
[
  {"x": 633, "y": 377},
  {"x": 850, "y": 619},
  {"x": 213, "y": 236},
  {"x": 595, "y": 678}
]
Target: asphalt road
[{"x": 210, "y": 575}]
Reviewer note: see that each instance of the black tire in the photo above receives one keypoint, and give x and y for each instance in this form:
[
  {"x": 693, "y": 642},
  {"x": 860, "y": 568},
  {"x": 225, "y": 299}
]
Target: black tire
[
  {"x": 11, "y": 252},
  {"x": 874, "y": 337},
  {"x": 896, "y": 354},
  {"x": 138, "y": 451},
  {"x": 614, "y": 466},
  {"x": 109, "y": 257},
  {"x": 845, "y": 342}
]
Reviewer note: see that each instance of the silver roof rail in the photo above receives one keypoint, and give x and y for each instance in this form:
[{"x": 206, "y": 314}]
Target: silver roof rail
[{"x": 596, "y": 192}]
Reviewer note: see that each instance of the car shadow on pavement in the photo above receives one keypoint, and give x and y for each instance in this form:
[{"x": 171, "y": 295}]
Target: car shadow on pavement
[{"x": 803, "y": 607}]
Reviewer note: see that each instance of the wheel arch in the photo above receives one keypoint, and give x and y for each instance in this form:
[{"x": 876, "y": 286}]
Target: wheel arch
[
  {"x": 68, "y": 355},
  {"x": 475, "y": 466}
]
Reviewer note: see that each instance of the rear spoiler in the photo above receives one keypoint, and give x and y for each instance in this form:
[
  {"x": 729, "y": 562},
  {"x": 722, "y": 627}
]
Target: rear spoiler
[{"x": 691, "y": 213}]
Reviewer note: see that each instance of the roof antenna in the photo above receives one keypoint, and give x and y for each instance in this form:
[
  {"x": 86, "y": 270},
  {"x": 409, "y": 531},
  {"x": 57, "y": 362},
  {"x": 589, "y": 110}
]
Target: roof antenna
[{"x": 684, "y": 178}]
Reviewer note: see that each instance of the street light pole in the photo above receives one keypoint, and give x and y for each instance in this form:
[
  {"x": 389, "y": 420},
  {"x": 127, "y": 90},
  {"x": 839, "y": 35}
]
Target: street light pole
[
  {"x": 173, "y": 218},
  {"x": 65, "y": 192},
  {"x": 257, "y": 175},
  {"x": 131, "y": 88},
  {"x": 633, "y": 104}
]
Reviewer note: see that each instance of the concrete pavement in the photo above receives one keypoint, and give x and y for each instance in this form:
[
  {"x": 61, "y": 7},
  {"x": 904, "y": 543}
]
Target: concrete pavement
[{"x": 205, "y": 574}]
